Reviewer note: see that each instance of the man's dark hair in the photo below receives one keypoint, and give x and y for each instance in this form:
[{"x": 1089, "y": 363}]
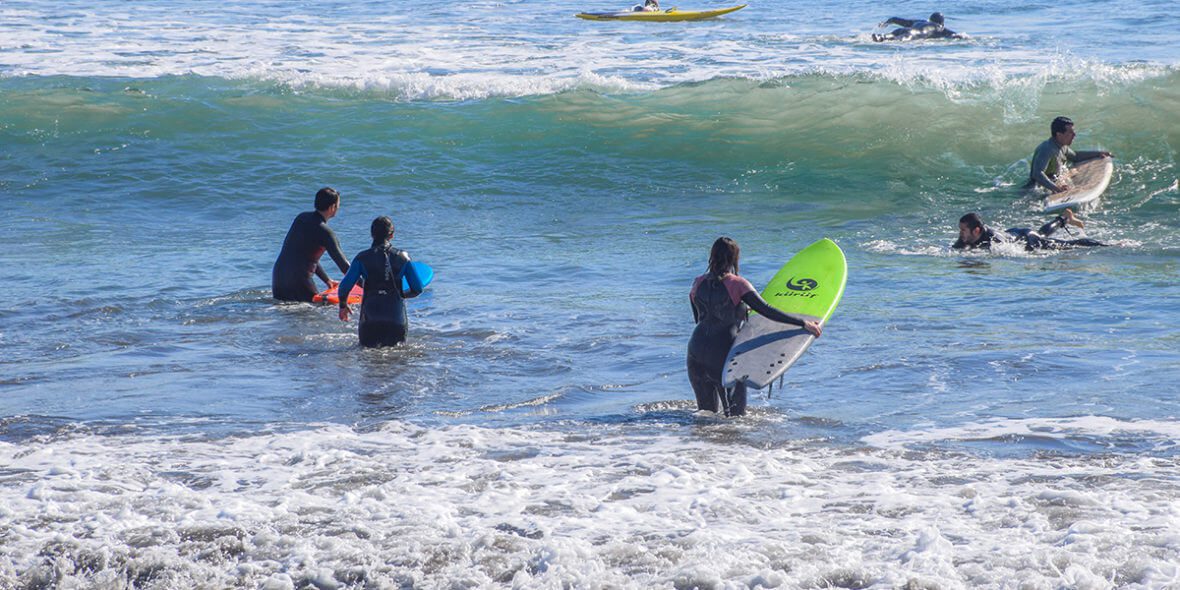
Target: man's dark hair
[
  {"x": 972, "y": 220},
  {"x": 326, "y": 198},
  {"x": 381, "y": 229},
  {"x": 937, "y": 18},
  {"x": 1059, "y": 124}
]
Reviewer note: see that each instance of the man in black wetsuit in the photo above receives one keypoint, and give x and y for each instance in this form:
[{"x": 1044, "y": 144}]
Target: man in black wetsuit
[
  {"x": 383, "y": 320},
  {"x": 932, "y": 28},
  {"x": 306, "y": 241},
  {"x": 974, "y": 234}
]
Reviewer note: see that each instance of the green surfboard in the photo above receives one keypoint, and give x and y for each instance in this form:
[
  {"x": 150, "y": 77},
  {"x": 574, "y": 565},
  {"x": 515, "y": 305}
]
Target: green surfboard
[{"x": 810, "y": 284}]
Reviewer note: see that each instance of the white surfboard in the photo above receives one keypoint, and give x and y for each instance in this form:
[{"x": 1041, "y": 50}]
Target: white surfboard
[{"x": 1087, "y": 181}]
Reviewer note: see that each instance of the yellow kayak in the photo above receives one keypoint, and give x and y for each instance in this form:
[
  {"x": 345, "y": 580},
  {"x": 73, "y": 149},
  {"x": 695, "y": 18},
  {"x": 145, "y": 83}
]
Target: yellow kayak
[{"x": 670, "y": 15}]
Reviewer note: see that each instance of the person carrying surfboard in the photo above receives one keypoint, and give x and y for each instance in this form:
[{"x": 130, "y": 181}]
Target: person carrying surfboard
[
  {"x": 911, "y": 29},
  {"x": 307, "y": 240},
  {"x": 974, "y": 234},
  {"x": 383, "y": 320},
  {"x": 720, "y": 300},
  {"x": 1049, "y": 160}
]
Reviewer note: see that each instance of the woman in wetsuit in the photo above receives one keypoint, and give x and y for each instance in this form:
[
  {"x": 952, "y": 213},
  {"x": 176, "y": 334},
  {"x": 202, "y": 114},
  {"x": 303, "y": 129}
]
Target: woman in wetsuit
[
  {"x": 720, "y": 299},
  {"x": 383, "y": 319}
]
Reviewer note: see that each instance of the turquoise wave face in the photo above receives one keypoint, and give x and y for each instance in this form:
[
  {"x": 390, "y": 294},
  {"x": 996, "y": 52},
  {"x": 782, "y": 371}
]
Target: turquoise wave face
[{"x": 817, "y": 141}]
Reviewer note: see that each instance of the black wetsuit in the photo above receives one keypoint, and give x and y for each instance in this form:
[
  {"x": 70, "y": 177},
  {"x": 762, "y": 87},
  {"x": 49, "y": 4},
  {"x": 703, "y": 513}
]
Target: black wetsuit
[
  {"x": 718, "y": 321},
  {"x": 306, "y": 241},
  {"x": 383, "y": 320},
  {"x": 916, "y": 29},
  {"x": 1033, "y": 240}
]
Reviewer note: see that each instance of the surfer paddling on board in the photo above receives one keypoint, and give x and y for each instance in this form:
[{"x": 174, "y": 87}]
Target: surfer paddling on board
[
  {"x": 720, "y": 300},
  {"x": 383, "y": 319},
  {"x": 931, "y": 28},
  {"x": 974, "y": 234},
  {"x": 306, "y": 241},
  {"x": 1050, "y": 158},
  {"x": 647, "y": 6}
]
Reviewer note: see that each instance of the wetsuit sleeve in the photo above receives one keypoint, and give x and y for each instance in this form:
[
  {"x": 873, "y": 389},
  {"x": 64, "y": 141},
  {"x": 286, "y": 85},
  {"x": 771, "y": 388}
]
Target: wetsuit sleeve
[
  {"x": 412, "y": 277},
  {"x": 958, "y": 245},
  {"x": 1039, "y": 164},
  {"x": 692, "y": 293},
  {"x": 332, "y": 246},
  {"x": 354, "y": 274},
  {"x": 322, "y": 274},
  {"x": 756, "y": 303},
  {"x": 897, "y": 20}
]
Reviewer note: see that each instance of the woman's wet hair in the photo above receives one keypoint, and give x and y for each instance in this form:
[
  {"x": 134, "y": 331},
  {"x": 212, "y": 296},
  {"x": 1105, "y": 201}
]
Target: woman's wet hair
[
  {"x": 723, "y": 258},
  {"x": 381, "y": 229}
]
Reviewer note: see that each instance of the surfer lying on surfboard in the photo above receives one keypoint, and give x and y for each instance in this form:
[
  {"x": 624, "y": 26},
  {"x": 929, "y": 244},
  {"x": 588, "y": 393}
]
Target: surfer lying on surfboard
[
  {"x": 719, "y": 301},
  {"x": 1050, "y": 158},
  {"x": 911, "y": 29},
  {"x": 647, "y": 6},
  {"x": 974, "y": 234}
]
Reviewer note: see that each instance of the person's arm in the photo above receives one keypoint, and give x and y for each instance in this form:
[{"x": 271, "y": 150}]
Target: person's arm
[
  {"x": 412, "y": 277},
  {"x": 323, "y": 275},
  {"x": 897, "y": 20},
  {"x": 756, "y": 303},
  {"x": 1091, "y": 154},
  {"x": 355, "y": 273},
  {"x": 1039, "y": 164},
  {"x": 332, "y": 246}
]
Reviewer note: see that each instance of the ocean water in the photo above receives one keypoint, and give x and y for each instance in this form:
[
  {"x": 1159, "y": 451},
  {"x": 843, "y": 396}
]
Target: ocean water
[{"x": 1002, "y": 420}]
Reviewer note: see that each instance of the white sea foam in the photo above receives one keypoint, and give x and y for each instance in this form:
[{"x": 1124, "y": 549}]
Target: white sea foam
[
  {"x": 494, "y": 50},
  {"x": 476, "y": 507}
]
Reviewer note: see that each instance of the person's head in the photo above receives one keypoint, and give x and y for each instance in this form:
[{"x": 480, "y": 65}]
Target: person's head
[
  {"x": 970, "y": 229},
  {"x": 327, "y": 202},
  {"x": 650, "y": 3},
  {"x": 937, "y": 18},
  {"x": 381, "y": 229},
  {"x": 723, "y": 258},
  {"x": 1062, "y": 130}
]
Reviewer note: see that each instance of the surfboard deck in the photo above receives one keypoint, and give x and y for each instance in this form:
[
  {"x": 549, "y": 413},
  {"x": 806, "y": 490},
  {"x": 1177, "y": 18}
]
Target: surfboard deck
[
  {"x": 669, "y": 15},
  {"x": 330, "y": 296},
  {"x": 811, "y": 285},
  {"x": 1087, "y": 181}
]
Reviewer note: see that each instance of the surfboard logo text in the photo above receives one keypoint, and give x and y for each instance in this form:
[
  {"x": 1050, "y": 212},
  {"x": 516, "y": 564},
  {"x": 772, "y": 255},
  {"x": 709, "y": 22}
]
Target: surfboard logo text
[{"x": 802, "y": 284}]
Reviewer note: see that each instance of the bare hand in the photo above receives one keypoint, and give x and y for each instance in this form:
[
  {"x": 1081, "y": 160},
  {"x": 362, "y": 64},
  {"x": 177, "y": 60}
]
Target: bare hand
[
  {"x": 345, "y": 312},
  {"x": 1071, "y": 219},
  {"x": 814, "y": 327}
]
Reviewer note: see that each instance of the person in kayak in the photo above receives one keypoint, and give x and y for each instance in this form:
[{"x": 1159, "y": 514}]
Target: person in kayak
[
  {"x": 307, "y": 240},
  {"x": 383, "y": 320},
  {"x": 974, "y": 234},
  {"x": 1049, "y": 160},
  {"x": 720, "y": 300},
  {"x": 931, "y": 28},
  {"x": 647, "y": 6}
]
